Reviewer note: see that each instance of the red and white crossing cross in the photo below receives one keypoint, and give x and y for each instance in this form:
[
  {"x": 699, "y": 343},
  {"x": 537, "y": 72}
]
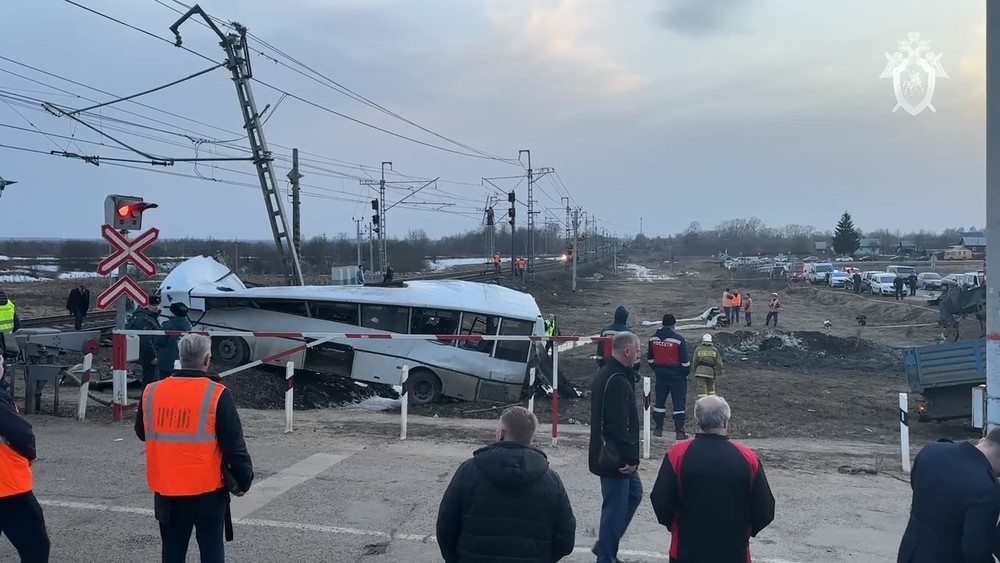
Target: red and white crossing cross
[
  {"x": 124, "y": 286},
  {"x": 126, "y": 251}
]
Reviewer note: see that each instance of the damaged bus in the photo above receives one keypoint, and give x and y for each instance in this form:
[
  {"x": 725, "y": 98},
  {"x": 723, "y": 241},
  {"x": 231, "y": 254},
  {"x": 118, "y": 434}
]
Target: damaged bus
[{"x": 493, "y": 371}]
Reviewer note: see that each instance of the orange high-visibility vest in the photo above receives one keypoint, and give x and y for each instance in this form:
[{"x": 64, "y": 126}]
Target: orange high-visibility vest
[
  {"x": 15, "y": 472},
  {"x": 183, "y": 457},
  {"x": 727, "y": 299},
  {"x": 737, "y": 300}
]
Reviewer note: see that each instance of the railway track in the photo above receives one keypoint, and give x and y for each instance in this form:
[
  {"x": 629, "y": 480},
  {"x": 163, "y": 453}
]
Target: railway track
[{"x": 104, "y": 320}]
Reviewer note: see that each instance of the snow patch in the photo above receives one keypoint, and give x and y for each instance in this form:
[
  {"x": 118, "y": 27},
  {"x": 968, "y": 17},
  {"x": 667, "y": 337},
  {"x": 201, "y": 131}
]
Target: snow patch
[
  {"x": 20, "y": 278},
  {"x": 643, "y": 273},
  {"x": 379, "y": 404},
  {"x": 46, "y": 268},
  {"x": 78, "y": 275},
  {"x": 446, "y": 263},
  {"x": 2, "y": 257}
]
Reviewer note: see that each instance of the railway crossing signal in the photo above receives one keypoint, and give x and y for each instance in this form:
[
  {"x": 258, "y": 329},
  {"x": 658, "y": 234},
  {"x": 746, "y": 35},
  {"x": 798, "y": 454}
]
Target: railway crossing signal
[
  {"x": 124, "y": 212},
  {"x": 123, "y": 287},
  {"x": 126, "y": 251}
]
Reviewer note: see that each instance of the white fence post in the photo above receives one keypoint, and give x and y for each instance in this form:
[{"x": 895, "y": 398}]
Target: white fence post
[
  {"x": 904, "y": 431},
  {"x": 531, "y": 389},
  {"x": 645, "y": 417},
  {"x": 81, "y": 409},
  {"x": 404, "y": 398},
  {"x": 289, "y": 395},
  {"x": 555, "y": 395}
]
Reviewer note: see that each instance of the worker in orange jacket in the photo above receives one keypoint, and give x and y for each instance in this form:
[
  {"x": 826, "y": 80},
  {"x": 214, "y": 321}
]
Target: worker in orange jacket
[
  {"x": 21, "y": 518},
  {"x": 195, "y": 454},
  {"x": 737, "y": 307}
]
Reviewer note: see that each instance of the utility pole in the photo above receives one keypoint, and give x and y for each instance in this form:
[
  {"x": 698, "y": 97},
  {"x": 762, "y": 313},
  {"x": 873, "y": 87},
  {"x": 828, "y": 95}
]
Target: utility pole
[
  {"x": 238, "y": 62},
  {"x": 512, "y": 213},
  {"x": 371, "y": 250},
  {"x": 490, "y": 229},
  {"x": 383, "y": 256},
  {"x": 992, "y": 213},
  {"x": 640, "y": 225},
  {"x": 294, "y": 177},
  {"x": 531, "y": 215},
  {"x": 576, "y": 239},
  {"x": 357, "y": 227}
]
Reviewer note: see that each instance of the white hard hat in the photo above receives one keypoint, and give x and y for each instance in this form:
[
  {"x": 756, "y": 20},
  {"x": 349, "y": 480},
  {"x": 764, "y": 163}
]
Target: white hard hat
[{"x": 707, "y": 339}]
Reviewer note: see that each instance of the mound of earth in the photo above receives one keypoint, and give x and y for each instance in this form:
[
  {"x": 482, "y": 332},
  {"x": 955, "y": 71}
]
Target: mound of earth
[
  {"x": 265, "y": 389},
  {"x": 809, "y": 351}
]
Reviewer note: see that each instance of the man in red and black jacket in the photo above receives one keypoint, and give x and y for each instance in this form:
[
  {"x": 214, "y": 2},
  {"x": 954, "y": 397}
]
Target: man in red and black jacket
[{"x": 712, "y": 492}]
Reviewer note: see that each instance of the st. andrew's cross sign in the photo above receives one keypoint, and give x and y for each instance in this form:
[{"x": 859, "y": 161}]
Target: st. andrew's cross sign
[{"x": 126, "y": 251}]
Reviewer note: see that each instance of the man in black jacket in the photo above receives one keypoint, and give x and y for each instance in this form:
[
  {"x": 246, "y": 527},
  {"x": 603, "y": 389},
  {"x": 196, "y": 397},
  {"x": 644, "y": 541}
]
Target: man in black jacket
[
  {"x": 147, "y": 318},
  {"x": 711, "y": 493},
  {"x": 21, "y": 518},
  {"x": 614, "y": 430},
  {"x": 208, "y": 512},
  {"x": 956, "y": 501},
  {"x": 506, "y": 503},
  {"x": 78, "y": 304},
  {"x": 620, "y": 325}
]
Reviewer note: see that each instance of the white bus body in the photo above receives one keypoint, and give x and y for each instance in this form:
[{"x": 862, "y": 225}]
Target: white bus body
[{"x": 469, "y": 370}]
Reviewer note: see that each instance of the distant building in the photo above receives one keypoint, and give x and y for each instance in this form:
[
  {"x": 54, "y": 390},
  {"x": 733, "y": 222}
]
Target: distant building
[
  {"x": 869, "y": 247},
  {"x": 976, "y": 242},
  {"x": 907, "y": 247},
  {"x": 822, "y": 247}
]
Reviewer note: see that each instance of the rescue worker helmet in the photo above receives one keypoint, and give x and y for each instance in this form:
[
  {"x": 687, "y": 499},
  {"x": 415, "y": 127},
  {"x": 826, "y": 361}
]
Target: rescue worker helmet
[{"x": 707, "y": 339}]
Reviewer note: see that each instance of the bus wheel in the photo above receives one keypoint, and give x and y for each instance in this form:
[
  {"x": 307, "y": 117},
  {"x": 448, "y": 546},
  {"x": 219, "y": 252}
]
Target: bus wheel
[
  {"x": 424, "y": 387},
  {"x": 231, "y": 350}
]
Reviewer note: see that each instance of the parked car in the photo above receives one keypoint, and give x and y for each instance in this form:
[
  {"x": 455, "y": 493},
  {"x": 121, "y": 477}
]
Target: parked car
[
  {"x": 881, "y": 284},
  {"x": 929, "y": 280},
  {"x": 810, "y": 259},
  {"x": 844, "y": 259},
  {"x": 866, "y": 279},
  {"x": 838, "y": 278},
  {"x": 901, "y": 271},
  {"x": 818, "y": 272},
  {"x": 868, "y": 258}
]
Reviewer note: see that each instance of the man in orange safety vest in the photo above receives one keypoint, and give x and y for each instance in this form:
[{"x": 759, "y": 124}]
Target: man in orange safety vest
[{"x": 195, "y": 454}]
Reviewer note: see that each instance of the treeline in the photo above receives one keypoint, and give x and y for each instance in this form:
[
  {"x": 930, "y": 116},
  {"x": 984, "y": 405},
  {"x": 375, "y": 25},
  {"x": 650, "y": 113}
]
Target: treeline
[
  {"x": 318, "y": 254},
  {"x": 751, "y": 236}
]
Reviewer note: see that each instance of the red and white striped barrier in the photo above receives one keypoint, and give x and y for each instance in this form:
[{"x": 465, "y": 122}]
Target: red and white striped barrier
[
  {"x": 904, "y": 431},
  {"x": 289, "y": 395},
  {"x": 531, "y": 389},
  {"x": 119, "y": 373},
  {"x": 555, "y": 396},
  {"x": 81, "y": 409},
  {"x": 645, "y": 416},
  {"x": 404, "y": 398}
]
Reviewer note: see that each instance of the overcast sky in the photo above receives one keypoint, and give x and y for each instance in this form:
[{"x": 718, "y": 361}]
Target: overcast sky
[{"x": 670, "y": 110}]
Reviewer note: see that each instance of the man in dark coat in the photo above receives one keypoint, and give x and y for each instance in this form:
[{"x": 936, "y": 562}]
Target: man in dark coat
[
  {"x": 856, "y": 279},
  {"x": 78, "y": 304},
  {"x": 166, "y": 345},
  {"x": 506, "y": 503},
  {"x": 620, "y": 325},
  {"x": 615, "y": 430},
  {"x": 956, "y": 501},
  {"x": 147, "y": 318},
  {"x": 711, "y": 492}
]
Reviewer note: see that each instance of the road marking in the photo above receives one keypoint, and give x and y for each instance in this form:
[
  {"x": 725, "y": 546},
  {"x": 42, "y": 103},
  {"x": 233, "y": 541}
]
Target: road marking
[
  {"x": 281, "y": 482},
  {"x": 338, "y": 530}
]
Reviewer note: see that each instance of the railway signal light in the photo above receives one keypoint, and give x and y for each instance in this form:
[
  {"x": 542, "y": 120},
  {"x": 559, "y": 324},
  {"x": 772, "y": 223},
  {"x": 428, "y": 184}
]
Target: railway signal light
[
  {"x": 489, "y": 216},
  {"x": 124, "y": 213},
  {"x": 375, "y": 225},
  {"x": 510, "y": 197},
  {"x": 374, "y": 205},
  {"x": 510, "y": 213}
]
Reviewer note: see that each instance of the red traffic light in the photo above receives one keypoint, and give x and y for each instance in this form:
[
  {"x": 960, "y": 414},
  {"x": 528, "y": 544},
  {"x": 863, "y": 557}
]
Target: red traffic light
[{"x": 136, "y": 207}]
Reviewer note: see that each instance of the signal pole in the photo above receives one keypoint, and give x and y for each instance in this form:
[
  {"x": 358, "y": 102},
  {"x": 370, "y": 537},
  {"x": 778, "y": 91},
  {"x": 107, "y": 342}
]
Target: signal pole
[
  {"x": 576, "y": 238},
  {"x": 383, "y": 256},
  {"x": 293, "y": 177},
  {"x": 371, "y": 250},
  {"x": 531, "y": 214}
]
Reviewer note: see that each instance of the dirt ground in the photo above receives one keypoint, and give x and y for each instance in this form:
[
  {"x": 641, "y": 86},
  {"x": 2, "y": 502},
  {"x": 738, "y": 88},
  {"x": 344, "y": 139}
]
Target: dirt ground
[{"x": 799, "y": 381}]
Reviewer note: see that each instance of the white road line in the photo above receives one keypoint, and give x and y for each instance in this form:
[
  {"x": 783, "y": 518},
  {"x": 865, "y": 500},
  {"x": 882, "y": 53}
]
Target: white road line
[
  {"x": 281, "y": 482},
  {"x": 338, "y": 530}
]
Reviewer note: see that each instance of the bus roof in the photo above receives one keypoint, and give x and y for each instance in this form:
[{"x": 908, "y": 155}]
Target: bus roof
[{"x": 204, "y": 277}]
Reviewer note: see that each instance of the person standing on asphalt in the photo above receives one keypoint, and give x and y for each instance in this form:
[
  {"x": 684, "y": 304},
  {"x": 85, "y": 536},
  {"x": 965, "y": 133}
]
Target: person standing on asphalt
[
  {"x": 146, "y": 318},
  {"x": 897, "y": 284},
  {"x": 711, "y": 492},
  {"x": 747, "y": 309},
  {"x": 78, "y": 304},
  {"x": 667, "y": 354},
  {"x": 956, "y": 501},
  {"x": 21, "y": 518},
  {"x": 773, "y": 308},
  {"x": 166, "y": 344},
  {"x": 506, "y": 503},
  {"x": 193, "y": 462},
  {"x": 614, "y": 444}
]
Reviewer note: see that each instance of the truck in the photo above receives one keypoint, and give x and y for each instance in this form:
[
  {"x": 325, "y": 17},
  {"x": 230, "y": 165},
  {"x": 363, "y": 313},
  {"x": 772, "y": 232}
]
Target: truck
[{"x": 944, "y": 375}]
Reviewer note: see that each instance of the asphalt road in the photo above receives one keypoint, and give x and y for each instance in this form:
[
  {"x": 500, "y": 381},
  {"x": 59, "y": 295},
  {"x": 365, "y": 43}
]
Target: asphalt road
[{"x": 342, "y": 487}]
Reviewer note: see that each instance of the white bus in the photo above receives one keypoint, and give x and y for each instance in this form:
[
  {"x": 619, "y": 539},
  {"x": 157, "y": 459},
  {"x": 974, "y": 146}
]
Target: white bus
[{"x": 474, "y": 371}]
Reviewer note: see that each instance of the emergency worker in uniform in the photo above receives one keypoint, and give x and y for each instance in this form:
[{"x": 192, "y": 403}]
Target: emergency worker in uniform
[
  {"x": 667, "y": 354},
  {"x": 550, "y": 330},
  {"x": 147, "y": 318},
  {"x": 707, "y": 364},
  {"x": 620, "y": 325},
  {"x": 9, "y": 322},
  {"x": 195, "y": 454},
  {"x": 21, "y": 518}
]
